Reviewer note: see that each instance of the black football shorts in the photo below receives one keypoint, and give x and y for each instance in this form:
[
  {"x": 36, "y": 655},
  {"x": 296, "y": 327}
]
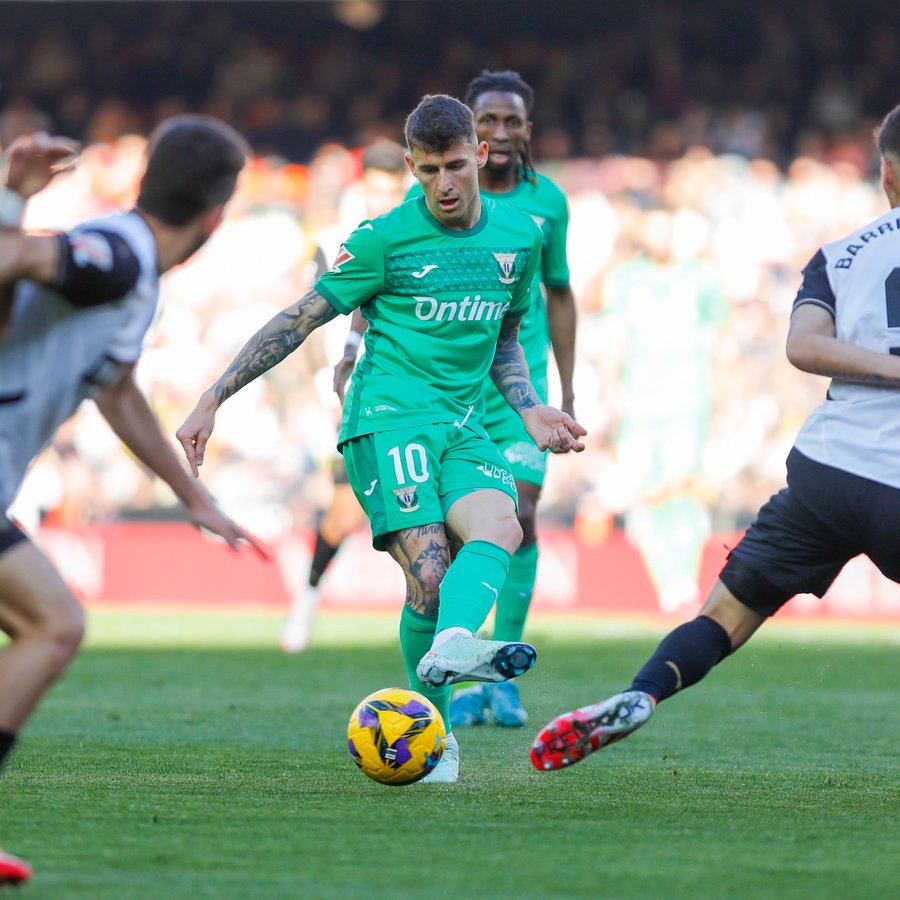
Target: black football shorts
[
  {"x": 10, "y": 533},
  {"x": 806, "y": 533}
]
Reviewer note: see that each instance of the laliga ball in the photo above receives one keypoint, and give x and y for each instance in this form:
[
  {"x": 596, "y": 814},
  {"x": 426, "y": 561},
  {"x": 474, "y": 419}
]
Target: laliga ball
[{"x": 396, "y": 736}]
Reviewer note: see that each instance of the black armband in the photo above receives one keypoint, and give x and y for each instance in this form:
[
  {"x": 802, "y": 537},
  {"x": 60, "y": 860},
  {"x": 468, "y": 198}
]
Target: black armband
[{"x": 95, "y": 266}]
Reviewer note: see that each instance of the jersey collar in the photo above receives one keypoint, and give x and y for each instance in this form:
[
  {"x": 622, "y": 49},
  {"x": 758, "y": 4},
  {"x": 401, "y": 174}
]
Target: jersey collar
[{"x": 477, "y": 228}]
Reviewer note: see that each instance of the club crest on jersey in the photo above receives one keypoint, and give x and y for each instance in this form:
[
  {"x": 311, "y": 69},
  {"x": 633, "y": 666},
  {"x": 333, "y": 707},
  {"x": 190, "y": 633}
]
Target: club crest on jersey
[
  {"x": 91, "y": 250},
  {"x": 507, "y": 262},
  {"x": 406, "y": 499},
  {"x": 343, "y": 256}
]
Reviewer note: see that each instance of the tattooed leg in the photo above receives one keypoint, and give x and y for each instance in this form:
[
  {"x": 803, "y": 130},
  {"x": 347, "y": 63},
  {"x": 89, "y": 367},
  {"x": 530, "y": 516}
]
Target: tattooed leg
[{"x": 424, "y": 555}]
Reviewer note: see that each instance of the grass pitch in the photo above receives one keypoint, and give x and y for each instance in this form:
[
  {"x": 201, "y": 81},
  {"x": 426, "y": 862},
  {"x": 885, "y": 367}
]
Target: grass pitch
[{"x": 186, "y": 757}]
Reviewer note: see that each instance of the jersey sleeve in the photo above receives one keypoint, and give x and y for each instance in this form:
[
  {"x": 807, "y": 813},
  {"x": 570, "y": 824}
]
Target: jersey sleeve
[
  {"x": 96, "y": 266},
  {"x": 521, "y": 300},
  {"x": 357, "y": 272},
  {"x": 816, "y": 288},
  {"x": 555, "y": 263}
]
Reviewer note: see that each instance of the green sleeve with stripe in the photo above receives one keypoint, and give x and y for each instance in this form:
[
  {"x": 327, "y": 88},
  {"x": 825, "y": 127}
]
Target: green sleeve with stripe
[{"x": 357, "y": 274}]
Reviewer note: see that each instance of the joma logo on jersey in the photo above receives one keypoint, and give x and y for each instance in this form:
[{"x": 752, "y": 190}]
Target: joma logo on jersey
[
  {"x": 507, "y": 262},
  {"x": 469, "y": 309}
]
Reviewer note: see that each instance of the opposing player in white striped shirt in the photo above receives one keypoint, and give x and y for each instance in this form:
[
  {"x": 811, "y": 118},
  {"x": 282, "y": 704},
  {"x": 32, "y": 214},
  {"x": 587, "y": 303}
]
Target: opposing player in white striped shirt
[
  {"x": 843, "y": 476},
  {"x": 74, "y": 309}
]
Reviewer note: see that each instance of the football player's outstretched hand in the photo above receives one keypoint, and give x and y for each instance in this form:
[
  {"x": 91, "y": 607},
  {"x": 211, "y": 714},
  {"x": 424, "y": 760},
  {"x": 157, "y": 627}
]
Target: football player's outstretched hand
[
  {"x": 32, "y": 161},
  {"x": 207, "y": 516},
  {"x": 553, "y": 430},
  {"x": 195, "y": 432}
]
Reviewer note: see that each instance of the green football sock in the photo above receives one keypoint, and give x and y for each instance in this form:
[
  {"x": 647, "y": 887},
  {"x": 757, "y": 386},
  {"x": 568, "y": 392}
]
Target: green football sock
[
  {"x": 471, "y": 586},
  {"x": 515, "y": 598},
  {"x": 416, "y": 635}
]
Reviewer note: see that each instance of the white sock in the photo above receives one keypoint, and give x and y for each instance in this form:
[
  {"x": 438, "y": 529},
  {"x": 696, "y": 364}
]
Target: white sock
[{"x": 446, "y": 634}]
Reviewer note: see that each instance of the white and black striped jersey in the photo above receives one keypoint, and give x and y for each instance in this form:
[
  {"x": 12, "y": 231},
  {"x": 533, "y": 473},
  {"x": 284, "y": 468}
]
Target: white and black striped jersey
[
  {"x": 857, "y": 279},
  {"x": 55, "y": 354}
]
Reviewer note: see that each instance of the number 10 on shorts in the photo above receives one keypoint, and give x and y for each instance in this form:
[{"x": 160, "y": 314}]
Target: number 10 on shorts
[{"x": 409, "y": 465}]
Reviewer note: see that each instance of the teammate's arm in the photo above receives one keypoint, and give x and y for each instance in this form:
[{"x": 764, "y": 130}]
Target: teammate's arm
[
  {"x": 550, "y": 428},
  {"x": 278, "y": 338},
  {"x": 130, "y": 416},
  {"x": 813, "y": 346},
  {"x": 347, "y": 362},
  {"x": 30, "y": 163},
  {"x": 561, "y": 317},
  {"x": 35, "y": 257}
]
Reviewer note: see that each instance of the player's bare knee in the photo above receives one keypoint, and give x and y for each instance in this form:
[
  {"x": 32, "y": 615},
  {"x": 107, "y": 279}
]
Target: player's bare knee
[
  {"x": 71, "y": 634},
  {"x": 61, "y": 628},
  {"x": 507, "y": 533}
]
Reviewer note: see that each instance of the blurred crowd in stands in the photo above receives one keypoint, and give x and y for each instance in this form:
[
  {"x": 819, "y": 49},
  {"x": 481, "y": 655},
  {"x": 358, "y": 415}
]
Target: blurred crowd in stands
[
  {"x": 765, "y": 79},
  {"x": 689, "y": 161},
  {"x": 728, "y": 235}
]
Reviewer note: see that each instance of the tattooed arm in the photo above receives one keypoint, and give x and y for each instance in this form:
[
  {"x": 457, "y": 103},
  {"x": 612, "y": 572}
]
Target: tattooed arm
[
  {"x": 509, "y": 371},
  {"x": 550, "y": 428},
  {"x": 278, "y": 338}
]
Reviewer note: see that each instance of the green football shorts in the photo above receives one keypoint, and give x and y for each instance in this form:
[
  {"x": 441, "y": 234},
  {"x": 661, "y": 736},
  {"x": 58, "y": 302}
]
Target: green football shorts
[
  {"x": 506, "y": 429},
  {"x": 412, "y": 476},
  {"x": 521, "y": 453}
]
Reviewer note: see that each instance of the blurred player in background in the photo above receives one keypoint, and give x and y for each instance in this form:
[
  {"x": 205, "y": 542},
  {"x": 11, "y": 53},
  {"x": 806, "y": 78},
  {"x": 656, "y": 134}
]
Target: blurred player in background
[
  {"x": 664, "y": 308},
  {"x": 382, "y": 186},
  {"x": 74, "y": 309},
  {"x": 443, "y": 283},
  {"x": 843, "y": 477},
  {"x": 502, "y": 103}
]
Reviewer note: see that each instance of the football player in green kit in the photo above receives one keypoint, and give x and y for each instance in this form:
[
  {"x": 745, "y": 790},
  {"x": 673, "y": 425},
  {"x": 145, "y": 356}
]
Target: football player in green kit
[
  {"x": 502, "y": 103},
  {"x": 443, "y": 282}
]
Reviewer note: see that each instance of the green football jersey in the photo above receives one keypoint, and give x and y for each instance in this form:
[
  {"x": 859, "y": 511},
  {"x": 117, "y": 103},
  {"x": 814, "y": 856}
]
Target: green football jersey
[
  {"x": 547, "y": 205},
  {"x": 434, "y": 300}
]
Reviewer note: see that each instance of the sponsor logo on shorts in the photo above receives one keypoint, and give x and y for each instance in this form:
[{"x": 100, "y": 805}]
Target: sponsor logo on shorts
[
  {"x": 499, "y": 472},
  {"x": 368, "y": 493},
  {"x": 406, "y": 499}
]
